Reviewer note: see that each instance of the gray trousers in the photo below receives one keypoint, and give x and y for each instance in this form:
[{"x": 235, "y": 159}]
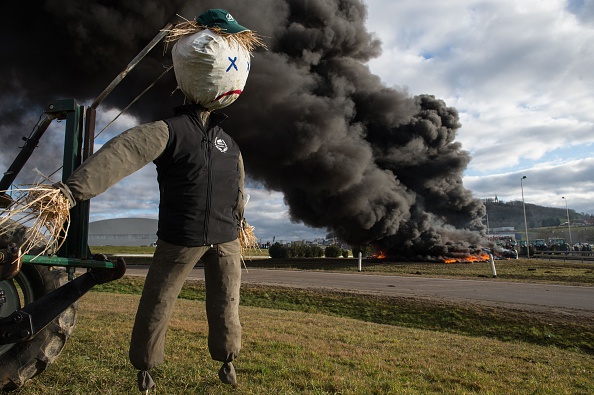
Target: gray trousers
[{"x": 169, "y": 269}]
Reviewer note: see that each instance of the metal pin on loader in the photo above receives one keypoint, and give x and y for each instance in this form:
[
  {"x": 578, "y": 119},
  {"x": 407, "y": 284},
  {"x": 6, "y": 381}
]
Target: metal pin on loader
[{"x": 11, "y": 261}]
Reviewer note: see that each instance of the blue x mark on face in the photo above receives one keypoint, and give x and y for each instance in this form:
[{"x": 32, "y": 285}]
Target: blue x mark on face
[{"x": 232, "y": 64}]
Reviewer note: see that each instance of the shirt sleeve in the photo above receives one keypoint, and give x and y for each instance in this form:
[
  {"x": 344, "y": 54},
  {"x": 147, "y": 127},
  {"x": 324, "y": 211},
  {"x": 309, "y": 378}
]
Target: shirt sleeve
[{"x": 118, "y": 158}]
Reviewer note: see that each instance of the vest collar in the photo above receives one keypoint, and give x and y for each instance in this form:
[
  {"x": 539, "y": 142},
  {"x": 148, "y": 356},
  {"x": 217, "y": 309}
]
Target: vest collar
[{"x": 195, "y": 109}]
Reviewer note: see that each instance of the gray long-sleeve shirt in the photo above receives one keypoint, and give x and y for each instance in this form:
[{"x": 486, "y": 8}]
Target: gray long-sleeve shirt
[
  {"x": 123, "y": 155},
  {"x": 118, "y": 158}
]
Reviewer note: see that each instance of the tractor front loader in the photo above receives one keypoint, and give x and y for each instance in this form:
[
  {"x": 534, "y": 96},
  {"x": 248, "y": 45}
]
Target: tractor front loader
[{"x": 39, "y": 293}]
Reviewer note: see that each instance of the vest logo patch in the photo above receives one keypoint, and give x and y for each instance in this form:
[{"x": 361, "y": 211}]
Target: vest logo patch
[{"x": 221, "y": 145}]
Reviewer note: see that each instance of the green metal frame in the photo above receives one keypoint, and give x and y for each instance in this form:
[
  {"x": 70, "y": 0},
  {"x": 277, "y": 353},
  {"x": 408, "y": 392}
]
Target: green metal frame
[
  {"x": 78, "y": 145},
  {"x": 78, "y": 140},
  {"x": 67, "y": 262}
]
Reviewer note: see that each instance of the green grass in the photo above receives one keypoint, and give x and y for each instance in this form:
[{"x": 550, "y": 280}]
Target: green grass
[
  {"x": 533, "y": 270},
  {"x": 308, "y": 352},
  {"x": 461, "y": 318},
  {"x": 122, "y": 250},
  {"x": 110, "y": 250},
  {"x": 298, "y": 341},
  {"x": 522, "y": 270}
]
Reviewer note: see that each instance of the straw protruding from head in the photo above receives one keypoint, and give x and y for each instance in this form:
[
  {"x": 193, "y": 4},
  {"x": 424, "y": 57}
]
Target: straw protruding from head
[{"x": 247, "y": 39}]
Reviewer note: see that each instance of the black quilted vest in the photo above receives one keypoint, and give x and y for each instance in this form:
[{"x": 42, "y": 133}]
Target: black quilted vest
[{"x": 198, "y": 174}]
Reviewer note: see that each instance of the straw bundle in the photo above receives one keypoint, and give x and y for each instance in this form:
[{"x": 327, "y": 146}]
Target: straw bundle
[
  {"x": 249, "y": 40},
  {"x": 45, "y": 210},
  {"x": 247, "y": 238}
]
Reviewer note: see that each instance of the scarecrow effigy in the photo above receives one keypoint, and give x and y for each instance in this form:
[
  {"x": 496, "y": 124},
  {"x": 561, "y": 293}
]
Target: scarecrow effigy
[{"x": 200, "y": 174}]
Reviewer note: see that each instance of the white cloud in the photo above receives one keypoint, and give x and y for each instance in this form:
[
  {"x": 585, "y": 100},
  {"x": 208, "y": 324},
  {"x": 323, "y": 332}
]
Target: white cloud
[
  {"x": 519, "y": 73},
  {"x": 267, "y": 212},
  {"x": 121, "y": 123},
  {"x": 544, "y": 185}
]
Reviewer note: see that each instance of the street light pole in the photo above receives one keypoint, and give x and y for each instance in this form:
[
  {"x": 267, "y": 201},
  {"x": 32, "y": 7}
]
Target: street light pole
[
  {"x": 568, "y": 224},
  {"x": 525, "y": 222},
  {"x": 487, "y": 214}
]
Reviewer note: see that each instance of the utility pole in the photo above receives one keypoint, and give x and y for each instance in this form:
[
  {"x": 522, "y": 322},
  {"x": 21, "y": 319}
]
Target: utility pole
[
  {"x": 525, "y": 222},
  {"x": 568, "y": 224}
]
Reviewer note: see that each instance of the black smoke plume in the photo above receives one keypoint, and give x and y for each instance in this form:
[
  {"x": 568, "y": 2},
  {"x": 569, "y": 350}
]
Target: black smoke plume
[{"x": 368, "y": 162}]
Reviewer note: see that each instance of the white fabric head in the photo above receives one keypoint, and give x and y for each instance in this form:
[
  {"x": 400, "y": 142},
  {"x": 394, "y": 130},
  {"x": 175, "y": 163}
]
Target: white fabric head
[{"x": 210, "y": 70}]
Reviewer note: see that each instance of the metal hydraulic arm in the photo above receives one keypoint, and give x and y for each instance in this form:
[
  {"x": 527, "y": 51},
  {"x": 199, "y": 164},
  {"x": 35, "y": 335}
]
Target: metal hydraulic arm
[{"x": 23, "y": 324}]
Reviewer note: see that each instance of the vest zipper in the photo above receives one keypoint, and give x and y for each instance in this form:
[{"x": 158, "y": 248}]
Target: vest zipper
[{"x": 208, "y": 161}]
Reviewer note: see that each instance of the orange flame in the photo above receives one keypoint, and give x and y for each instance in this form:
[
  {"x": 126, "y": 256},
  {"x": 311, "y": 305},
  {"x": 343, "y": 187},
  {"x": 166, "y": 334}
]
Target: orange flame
[
  {"x": 468, "y": 258},
  {"x": 379, "y": 255},
  {"x": 478, "y": 258}
]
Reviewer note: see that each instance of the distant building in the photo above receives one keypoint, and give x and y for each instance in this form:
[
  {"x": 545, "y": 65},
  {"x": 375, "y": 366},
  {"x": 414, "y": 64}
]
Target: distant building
[
  {"x": 503, "y": 233},
  {"x": 123, "y": 232},
  {"x": 503, "y": 229}
]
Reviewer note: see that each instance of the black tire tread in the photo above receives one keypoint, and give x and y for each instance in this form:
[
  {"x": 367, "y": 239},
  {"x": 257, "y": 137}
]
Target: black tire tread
[{"x": 28, "y": 359}]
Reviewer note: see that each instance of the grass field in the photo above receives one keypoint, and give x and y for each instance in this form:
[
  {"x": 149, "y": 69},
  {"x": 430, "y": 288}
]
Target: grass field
[
  {"x": 524, "y": 270},
  {"x": 314, "y": 342},
  {"x": 296, "y": 352},
  {"x": 520, "y": 270}
]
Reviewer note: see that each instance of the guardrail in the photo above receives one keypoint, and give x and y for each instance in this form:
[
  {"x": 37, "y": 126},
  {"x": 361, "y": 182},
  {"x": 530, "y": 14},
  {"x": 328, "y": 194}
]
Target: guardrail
[{"x": 584, "y": 256}]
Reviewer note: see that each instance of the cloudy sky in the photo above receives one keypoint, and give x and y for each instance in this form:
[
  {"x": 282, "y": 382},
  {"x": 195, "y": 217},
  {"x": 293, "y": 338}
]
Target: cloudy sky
[{"x": 519, "y": 74}]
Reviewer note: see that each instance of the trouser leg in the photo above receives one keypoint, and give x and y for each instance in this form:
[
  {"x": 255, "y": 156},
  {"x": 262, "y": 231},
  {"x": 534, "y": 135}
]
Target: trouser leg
[
  {"x": 169, "y": 269},
  {"x": 222, "y": 270}
]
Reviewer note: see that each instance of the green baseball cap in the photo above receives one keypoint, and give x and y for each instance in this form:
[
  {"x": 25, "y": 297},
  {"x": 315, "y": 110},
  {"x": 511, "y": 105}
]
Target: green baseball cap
[{"x": 221, "y": 19}]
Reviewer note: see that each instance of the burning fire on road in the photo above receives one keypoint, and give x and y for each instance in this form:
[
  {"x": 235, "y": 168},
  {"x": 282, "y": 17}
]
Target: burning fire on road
[
  {"x": 480, "y": 257},
  {"x": 477, "y": 255}
]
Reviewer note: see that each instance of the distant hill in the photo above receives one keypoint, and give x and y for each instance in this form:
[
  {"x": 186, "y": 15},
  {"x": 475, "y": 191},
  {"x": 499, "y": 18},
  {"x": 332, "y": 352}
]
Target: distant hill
[{"x": 511, "y": 214}]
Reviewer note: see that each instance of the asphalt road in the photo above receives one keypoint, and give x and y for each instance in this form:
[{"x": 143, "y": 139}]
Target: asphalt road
[{"x": 561, "y": 299}]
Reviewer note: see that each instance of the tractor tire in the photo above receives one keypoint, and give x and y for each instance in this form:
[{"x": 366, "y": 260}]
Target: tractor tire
[{"x": 19, "y": 362}]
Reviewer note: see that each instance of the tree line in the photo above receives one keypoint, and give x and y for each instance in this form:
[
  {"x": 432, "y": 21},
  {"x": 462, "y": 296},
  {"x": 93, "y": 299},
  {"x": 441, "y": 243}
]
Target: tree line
[
  {"x": 511, "y": 214},
  {"x": 278, "y": 250}
]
